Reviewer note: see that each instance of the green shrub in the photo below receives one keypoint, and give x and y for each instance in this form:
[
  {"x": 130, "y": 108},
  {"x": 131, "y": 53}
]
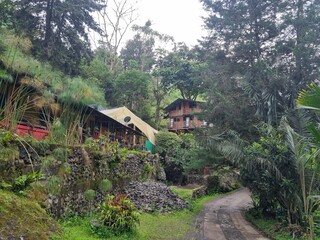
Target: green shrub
[
  {"x": 60, "y": 154},
  {"x": 9, "y": 153},
  {"x": 53, "y": 185},
  {"x": 118, "y": 213},
  {"x": 48, "y": 162},
  {"x": 89, "y": 141},
  {"x": 90, "y": 194},
  {"x": 166, "y": 142},
  {"x": 105, "y": 185},
  {"x": 65, "y": 169}
]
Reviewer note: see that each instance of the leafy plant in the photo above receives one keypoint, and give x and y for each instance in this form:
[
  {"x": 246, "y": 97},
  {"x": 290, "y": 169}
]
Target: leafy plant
[
  {"x": 23, "y": 181},
  {"x": 48, "y": 162},
  {"x": 5, "y": 186},
  {"x": 64, "y": 169},
  {"x": 118, "y": 213},
  {"x": 148, "y": 170}
]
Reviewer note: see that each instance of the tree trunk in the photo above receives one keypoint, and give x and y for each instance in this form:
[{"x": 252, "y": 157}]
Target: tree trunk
[{"x": 48, "y": 28}]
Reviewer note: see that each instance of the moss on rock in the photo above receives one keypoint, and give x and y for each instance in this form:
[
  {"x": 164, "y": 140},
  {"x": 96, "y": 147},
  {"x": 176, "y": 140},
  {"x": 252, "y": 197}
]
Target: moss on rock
[{"x": 22, "y": 218}]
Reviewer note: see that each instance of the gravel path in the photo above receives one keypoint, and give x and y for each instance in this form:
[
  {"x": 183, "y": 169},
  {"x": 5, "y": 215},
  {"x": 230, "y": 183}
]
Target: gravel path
[{"x": 222, "y": 219}]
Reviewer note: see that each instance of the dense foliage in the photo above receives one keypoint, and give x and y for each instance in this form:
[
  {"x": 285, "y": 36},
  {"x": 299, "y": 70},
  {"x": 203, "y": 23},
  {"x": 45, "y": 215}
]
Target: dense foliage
[
  {"x": 250, "y": 68},
  {"x": 118, "y": 213},
  {"x": 282, "y": 169},
  {"x": 57, "y": 29}
]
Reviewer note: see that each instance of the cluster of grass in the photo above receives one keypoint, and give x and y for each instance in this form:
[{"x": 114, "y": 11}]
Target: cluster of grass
[
  {"x": 186, "y": 194},
  {"x": 274, "y": 229},
  {"x": 23, "y": 218},
  {"x": 16, "y": 59},
  {"x": 152, "y": 226}
]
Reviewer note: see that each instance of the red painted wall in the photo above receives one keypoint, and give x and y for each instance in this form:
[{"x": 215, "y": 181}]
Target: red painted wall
[{"x": 37, "y": 133}]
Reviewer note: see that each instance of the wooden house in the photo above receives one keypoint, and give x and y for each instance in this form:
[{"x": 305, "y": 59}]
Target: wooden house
[
  {"x": 183, "y": 115},
  {"x": 142, "y": 131},
  {"x": 25, "y": 111}
]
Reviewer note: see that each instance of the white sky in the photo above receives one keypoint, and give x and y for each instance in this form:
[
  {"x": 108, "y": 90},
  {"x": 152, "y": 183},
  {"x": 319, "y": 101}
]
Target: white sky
[{"x": 178, "y": 18}]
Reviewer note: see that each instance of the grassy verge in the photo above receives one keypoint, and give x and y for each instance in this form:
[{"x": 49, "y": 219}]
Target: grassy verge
[
  {"x": 274, "y": 229},
  {"x": 171, "y": 226}
]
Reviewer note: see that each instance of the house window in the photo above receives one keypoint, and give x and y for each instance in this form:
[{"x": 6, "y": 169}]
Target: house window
[
  {"x": 171, "y": 122},
  {"x": 193, "y": 105},
  {"x": 187, "y": 121}
]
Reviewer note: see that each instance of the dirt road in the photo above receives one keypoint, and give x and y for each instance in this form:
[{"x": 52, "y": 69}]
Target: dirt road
[{"x": 222, "y": 219}]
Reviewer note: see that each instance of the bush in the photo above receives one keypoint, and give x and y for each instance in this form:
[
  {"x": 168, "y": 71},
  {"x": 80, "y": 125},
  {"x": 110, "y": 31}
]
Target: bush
[
  {"x": 53, "y": 185},
  {"x": 105, "y": 185},
  {"x": 118, "y": 213},
  {"x": 90, "y": 194},
  {"x": 61, "y": 154},
  {"x": 166, "y": 142}
]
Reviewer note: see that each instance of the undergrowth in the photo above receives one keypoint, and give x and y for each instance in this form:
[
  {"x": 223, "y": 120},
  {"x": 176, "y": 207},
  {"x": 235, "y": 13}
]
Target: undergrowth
[
  {"x": 22, "y": 218},
  {"x": 152, "y": 226},
  {"x": 277, "y": 230}
]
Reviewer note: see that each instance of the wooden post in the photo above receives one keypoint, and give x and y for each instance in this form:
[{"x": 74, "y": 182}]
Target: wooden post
[{"x": 134, "y": 135}]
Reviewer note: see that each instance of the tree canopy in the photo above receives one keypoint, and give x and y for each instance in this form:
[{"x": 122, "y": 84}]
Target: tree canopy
[{"x": 58, "y": 29}]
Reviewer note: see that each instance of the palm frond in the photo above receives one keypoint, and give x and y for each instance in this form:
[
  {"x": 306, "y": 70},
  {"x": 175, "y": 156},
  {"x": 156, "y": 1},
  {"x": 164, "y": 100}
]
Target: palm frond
[
  {"x": 309, "y": 98},
  {"x": 228, "y": 144}
]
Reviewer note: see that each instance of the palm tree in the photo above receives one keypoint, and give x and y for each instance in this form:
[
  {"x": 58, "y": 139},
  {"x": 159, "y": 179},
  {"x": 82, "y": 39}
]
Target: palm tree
[
  {"x": 310, "y": 99},
  {"x": 226, "y": 146}
]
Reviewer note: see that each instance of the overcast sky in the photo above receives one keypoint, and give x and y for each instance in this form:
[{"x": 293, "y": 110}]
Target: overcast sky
[
  {"x": 178, "y": 18},
  {"x": 181, "y": 19}
]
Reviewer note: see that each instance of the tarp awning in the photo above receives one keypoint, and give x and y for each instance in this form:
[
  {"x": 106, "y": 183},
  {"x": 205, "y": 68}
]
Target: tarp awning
[{"x": 119, "y": 114}]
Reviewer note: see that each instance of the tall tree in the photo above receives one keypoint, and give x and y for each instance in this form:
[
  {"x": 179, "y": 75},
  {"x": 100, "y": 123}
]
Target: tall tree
[
  {"x": 58, "y": 29},
  {"x": 132, "y": 89},
  {"x": 98, "y": 71},
  {"x": 115, "y": 19},
  {"x": 146, "y": 50},
  {"x": 181, "y": 69},
  {"x": 142, "y": 48},
  {"x": 227, "y": 106},
  {"x": 299, "y": 43},
  {"x": 244, "y": 31},
  {"x": 6, "y": 7},
  {"x": 265, "y": 42}
]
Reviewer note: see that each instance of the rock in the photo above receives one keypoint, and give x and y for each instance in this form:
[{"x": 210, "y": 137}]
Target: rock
[{"x": 154, "y": 197}]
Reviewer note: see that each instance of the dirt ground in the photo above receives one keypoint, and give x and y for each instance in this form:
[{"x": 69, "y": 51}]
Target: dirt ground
[{"x": 222, "y": 219}]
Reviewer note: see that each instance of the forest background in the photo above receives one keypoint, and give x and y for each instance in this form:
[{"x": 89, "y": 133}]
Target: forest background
[{"x": 258, "y": 59}]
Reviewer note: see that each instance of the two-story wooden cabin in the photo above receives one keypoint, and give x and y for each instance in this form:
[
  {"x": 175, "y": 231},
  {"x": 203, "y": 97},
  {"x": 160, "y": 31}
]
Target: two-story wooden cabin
[{"x": 183, "y": 115}]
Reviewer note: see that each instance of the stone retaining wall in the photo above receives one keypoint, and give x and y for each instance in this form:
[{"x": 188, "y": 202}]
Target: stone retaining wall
[{"x": 82, "y": 169}]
